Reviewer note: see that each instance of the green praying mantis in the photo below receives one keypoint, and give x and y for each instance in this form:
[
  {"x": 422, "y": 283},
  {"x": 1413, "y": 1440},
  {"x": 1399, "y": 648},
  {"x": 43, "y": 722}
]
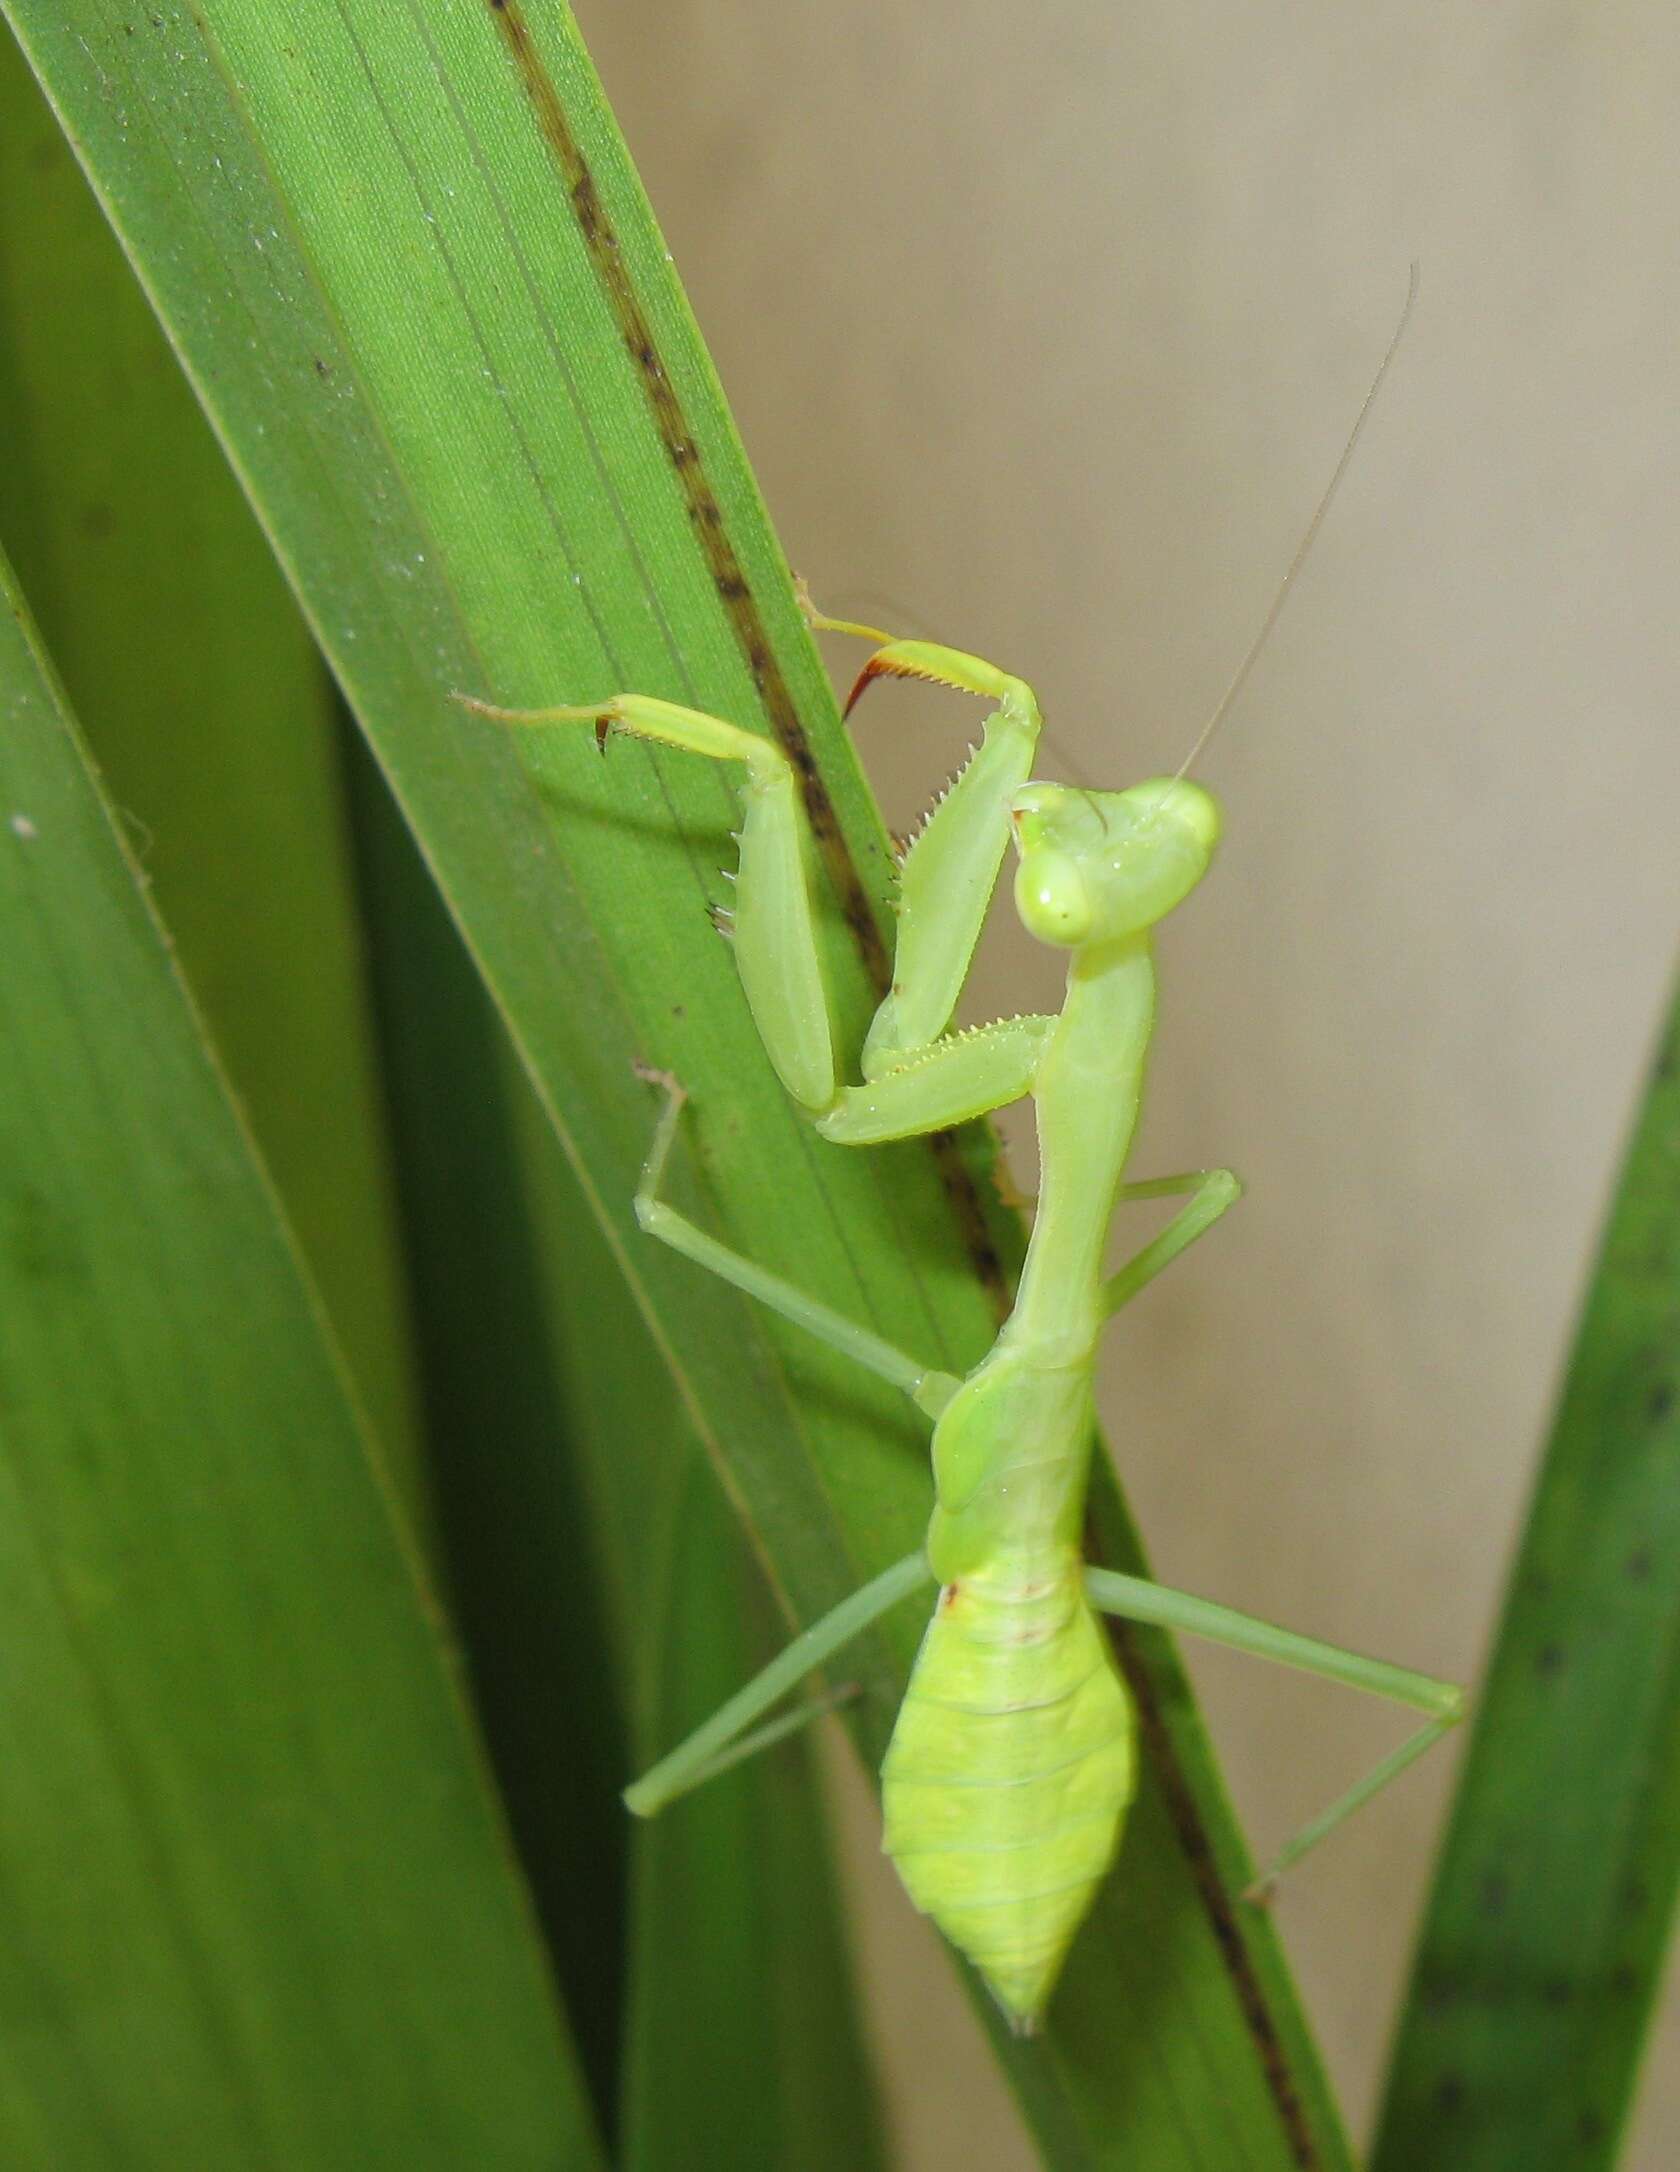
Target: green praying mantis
[{"x": 1013, "y": 1757}]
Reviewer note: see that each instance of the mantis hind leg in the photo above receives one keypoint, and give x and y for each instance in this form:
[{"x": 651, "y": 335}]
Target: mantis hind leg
[
  {"x": 928, "y": 1388},
  {"x": 730, "y": 1734},
  {"x": 1136, "y": 1598}
]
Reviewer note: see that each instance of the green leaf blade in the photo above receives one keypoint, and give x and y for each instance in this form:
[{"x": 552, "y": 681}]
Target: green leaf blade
[
  {"x": 1552, "y": 1905},
  {"x": 544, "y": 411},
  {"x": 260, "y": 1907},
  {"x": 557, "y": 1438},
  {"x": 743, "y": 2043},
  {"x": 208, "y": 710}
]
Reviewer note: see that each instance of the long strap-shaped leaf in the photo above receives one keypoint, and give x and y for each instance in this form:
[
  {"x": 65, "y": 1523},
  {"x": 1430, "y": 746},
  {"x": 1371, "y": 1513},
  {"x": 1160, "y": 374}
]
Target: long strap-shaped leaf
[
  {"x": 597, "y": 1577},
  {"x": 260, "y": 1908},
  {"x": 208, "y": 712},
  {"x": 1553, "y": 1900},
  {"x": 406, "y": 261}
]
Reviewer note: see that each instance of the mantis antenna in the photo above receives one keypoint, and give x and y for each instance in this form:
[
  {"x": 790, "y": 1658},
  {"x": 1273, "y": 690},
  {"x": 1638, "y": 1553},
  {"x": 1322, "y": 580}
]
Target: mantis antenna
[{"x": 1240, "y": 677}]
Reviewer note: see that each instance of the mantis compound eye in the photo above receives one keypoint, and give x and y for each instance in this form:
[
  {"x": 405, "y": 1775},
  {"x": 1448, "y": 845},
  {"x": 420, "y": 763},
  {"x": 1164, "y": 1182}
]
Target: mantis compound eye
[{"x": 1051, "y": 897}]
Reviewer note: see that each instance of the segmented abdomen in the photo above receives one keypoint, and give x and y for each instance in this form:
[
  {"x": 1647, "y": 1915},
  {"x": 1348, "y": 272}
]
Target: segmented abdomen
[{"x": 1007, "y": 1777}]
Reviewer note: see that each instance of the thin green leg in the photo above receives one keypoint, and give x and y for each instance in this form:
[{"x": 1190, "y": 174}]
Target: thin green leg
[
  {"x": 723, "y": 1739},
  {"x": 1344, "y": 1806},
  {"x": 928, "y": 1388},
  {"x": 1213, "y": 1191},
  {"x": 1136, "y": 1598},
  {"x": 761, "y": 1738}
]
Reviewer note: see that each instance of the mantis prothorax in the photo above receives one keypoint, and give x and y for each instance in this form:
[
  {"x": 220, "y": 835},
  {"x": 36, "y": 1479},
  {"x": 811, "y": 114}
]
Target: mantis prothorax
[{"x": 1013, "y": 1757}]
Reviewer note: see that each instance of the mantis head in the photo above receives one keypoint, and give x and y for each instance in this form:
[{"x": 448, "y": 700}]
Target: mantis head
[{"x": 1096, "y": 865}]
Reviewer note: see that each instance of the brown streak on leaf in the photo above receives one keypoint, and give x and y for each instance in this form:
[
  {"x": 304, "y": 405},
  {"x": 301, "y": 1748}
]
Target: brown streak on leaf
[
  {"x": 1221, "y": 1909},
  {"x": 742, "y": 609},
  {"x": 738, "y": 600},
  {"x": 734, "y": 592}
]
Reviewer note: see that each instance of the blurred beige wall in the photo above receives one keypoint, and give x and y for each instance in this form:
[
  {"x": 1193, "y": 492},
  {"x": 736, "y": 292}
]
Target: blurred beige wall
[{"x": 1044, "y": 328}]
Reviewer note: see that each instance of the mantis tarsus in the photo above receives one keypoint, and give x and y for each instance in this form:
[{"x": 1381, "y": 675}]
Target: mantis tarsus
[{"x": 1012, "y": 1760}]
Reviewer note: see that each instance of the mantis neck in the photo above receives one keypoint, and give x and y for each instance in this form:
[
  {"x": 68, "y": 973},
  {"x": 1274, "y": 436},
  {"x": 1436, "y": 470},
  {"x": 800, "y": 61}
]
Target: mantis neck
[
  {"x": 1012, "y": 1448},
  {"x": 1087, "y": 1095}
]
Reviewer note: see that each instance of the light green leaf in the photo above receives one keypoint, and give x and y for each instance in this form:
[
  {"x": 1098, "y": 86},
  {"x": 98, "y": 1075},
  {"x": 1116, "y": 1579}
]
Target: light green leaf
[{"x": 409, "y": 268}]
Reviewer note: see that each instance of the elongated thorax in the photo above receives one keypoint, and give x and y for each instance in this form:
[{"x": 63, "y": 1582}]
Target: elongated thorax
[{"x": 1009, "y": 1773}]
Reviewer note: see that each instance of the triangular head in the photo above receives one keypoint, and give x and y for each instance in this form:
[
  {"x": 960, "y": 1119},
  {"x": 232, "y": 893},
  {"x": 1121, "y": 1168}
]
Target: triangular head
[{"x": 1094, "y": 866}]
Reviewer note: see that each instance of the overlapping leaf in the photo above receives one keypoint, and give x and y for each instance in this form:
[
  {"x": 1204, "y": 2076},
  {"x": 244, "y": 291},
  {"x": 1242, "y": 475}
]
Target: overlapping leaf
[
  {"x": 1553, "y": 1902},
  {"x": 406, "y": 262},
  {"x": 598, "y": 1582},
  {"x": 261, "y": 1905},
  {"x": 207, "y": 708}
]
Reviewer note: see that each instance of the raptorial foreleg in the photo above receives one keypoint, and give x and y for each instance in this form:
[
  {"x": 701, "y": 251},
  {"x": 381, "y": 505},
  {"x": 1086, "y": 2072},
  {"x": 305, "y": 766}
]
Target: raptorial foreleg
[
  {"x": 774, "y": 928},
  {"x": 950, "y": 868}
]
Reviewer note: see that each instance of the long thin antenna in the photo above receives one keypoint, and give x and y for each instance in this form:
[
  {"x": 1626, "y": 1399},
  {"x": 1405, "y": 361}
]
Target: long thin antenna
[{"x": 1240, "y": 679}]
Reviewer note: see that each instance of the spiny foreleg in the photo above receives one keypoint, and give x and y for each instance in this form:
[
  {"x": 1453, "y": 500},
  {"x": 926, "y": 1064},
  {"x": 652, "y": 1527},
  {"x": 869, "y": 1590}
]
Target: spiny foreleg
[
  {"x": 774, "y": 929},
  {"x": 949, "y": 870}
]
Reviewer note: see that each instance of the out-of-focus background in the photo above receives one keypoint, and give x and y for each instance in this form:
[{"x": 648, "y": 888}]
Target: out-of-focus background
[{"x": 1045, "y": 328}]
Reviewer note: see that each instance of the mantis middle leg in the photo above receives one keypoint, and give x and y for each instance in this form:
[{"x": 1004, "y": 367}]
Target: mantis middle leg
[
  {"x": 1212, "y": 1192},
  {"x": 928, "y": 1388}
]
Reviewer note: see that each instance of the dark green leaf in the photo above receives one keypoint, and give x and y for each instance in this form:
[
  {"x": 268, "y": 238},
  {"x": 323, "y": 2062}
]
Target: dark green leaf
[
  {"x": 557, "y": 1437},
  {"x": 260, "y": 1908},
  {"x": 1551, "y": 1908},
  {"x": 207, "y": 708}
]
